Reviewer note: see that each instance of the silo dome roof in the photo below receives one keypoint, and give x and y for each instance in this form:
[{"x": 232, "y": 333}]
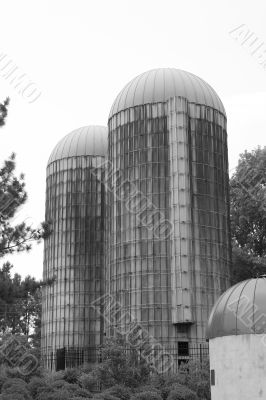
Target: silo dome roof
[
  {"x": 89, "y": 140},
  {"x": 158, "y": 85},
  {"x": 240, "y": 310}
]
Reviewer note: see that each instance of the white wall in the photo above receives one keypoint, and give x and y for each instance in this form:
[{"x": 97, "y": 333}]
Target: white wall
[{"x": 240, "y": 367}]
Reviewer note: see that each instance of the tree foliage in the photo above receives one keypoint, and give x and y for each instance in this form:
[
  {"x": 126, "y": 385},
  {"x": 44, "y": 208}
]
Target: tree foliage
[
  {"x": 246, "y": 266},
  {"x": 121, "y": 365},
  {"x": 248, "y": 215},
  {"x": 4, "y": 111},
  {"x": 15, "y": 237},
  {"x": 20, "y": 305},
  {"x": 248, "y": 202}
]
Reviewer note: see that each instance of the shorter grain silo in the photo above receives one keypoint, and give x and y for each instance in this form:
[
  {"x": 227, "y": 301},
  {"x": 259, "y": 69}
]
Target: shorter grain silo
[
  {"x": 237, "y": 338},
  {"x": 73, "y": 271}
]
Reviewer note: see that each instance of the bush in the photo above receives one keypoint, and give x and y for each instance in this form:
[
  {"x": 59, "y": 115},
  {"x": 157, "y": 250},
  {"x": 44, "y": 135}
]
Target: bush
[
  {"x": 68, "y": 387},
  {"x": 105, "y": 396},
  {"x": 36, "y": 385},
  {"x": 87, "y": 367},
  {"x": 78, "y": 398},
  {"x": 11, "y": 396},
  {"x": 13, "y": 382},
  {"x": 44, "y": 393},
  {"x": 180, "y": 379},
  {"x": 148, "y": 395},
  {"x": 51, "y": 376},
  {"x": 71, "y": 375},
  {"x": 17, "y": 388},
  {"x": 164, "y": 383},
  {"x": 83, "y": 393},
  {"x": 148, "y": 388},
  {"x": 120, "y": 391},
  {"x": 59, "y": 384},
  {"x": 88, "y": 381},
  {"x": 81, "y": 398},
  {"x": 3, "y": 376},
  {"x": 157, "y": 381},
  {"x": 56, "y": 395},
  {"x": 120, "y": 365},
  {"x": 203, "y": 390},
  {"x": 197, "y": 377},
  {"x": 182, "y": 393},
  {"x": 57, "y": 390}
]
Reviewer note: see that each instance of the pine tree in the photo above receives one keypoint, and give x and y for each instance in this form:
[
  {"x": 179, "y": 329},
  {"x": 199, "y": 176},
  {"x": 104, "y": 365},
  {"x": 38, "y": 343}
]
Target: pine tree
[
  {"x": 20, "y": 306},
  {"x": 19, "y": 237},
  {"x": 4, "y": 111},
  {"x": 20, "y": 299}
]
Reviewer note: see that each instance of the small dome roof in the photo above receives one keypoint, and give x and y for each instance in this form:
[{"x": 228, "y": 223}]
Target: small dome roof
[
  {"x": 240, "y": 310},
  {"x": 158, "y": 85},
  {"x": 89, "y": 140}
]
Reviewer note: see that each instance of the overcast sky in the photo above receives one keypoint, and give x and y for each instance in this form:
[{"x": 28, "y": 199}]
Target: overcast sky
[{"x": 80, "y": 54}]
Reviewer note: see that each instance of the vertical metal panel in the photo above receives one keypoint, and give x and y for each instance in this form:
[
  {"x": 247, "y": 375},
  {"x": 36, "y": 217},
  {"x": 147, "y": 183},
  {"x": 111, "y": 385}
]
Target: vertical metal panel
[
  {"x": 210, "y": 210},
  {"x": 200, "y": 247},
  {"x": 180, "y": 210}
]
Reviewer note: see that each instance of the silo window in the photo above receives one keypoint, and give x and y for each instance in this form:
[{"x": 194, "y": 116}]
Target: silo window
[
  {"x": 212, "y": 377},
  {"x": 183, "y": 349},
  {"x": 60, "y": 359}
]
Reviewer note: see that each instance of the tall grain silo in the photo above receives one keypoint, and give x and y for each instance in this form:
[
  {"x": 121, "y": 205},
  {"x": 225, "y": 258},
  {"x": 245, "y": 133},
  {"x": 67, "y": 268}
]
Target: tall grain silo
[
  {"x": 169, "y": 237},
  {"x": 73, "y": 271}
]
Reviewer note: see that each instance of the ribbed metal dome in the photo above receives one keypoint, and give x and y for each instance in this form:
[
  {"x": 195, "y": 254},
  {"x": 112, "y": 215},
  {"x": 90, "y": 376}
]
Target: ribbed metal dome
[
  {"x": 240, "y": 310},
  {"x": 89, "y": 140},
  {"x": 158, "y": 85}
]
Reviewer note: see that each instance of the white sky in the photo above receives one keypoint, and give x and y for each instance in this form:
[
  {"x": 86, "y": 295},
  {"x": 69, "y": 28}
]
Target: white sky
[{"x": 82, "y": 53}]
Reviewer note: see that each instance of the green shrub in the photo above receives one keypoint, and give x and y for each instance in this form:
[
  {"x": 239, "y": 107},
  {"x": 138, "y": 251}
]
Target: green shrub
[
  {"x": 121, "y": 366},
  {"x": 59, "y": 384},
  {"x": 120, "y": 391},
  {"x": 61, "y": 394},
  {"x": 88, "y": 381},
  {"x": 57, "y": 390},
  {"x": 51, "y": 376},
  {"x": 17, "y": 388},
  {"x": 3, "y": 376},
  {"x": 180, "y": 378},
  {"x": 10, "y": 382},
  {"x": 36, "y": 385},
  {"x": 157, "y": 381},
  {"x": 80, "y": 398},
  {"x": 182, "y": 393},
  {"x": 197, "y": 377},
  {"x": 164, "y": 383},
  {"x": 172, "y": 387},
  {"x": 105, "y": 396},
  {"x": 83, "y": 393},
  {"x": 11, "y": 396},
  {"x": 147, "y": 388},
  {"x": 71, "y": 375},
  {"x": 148, "y": 395},
  {"x": 203, "y": 390},
  {"x": 86, "y": 368},
  {"x": 44, "y": 393}
]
